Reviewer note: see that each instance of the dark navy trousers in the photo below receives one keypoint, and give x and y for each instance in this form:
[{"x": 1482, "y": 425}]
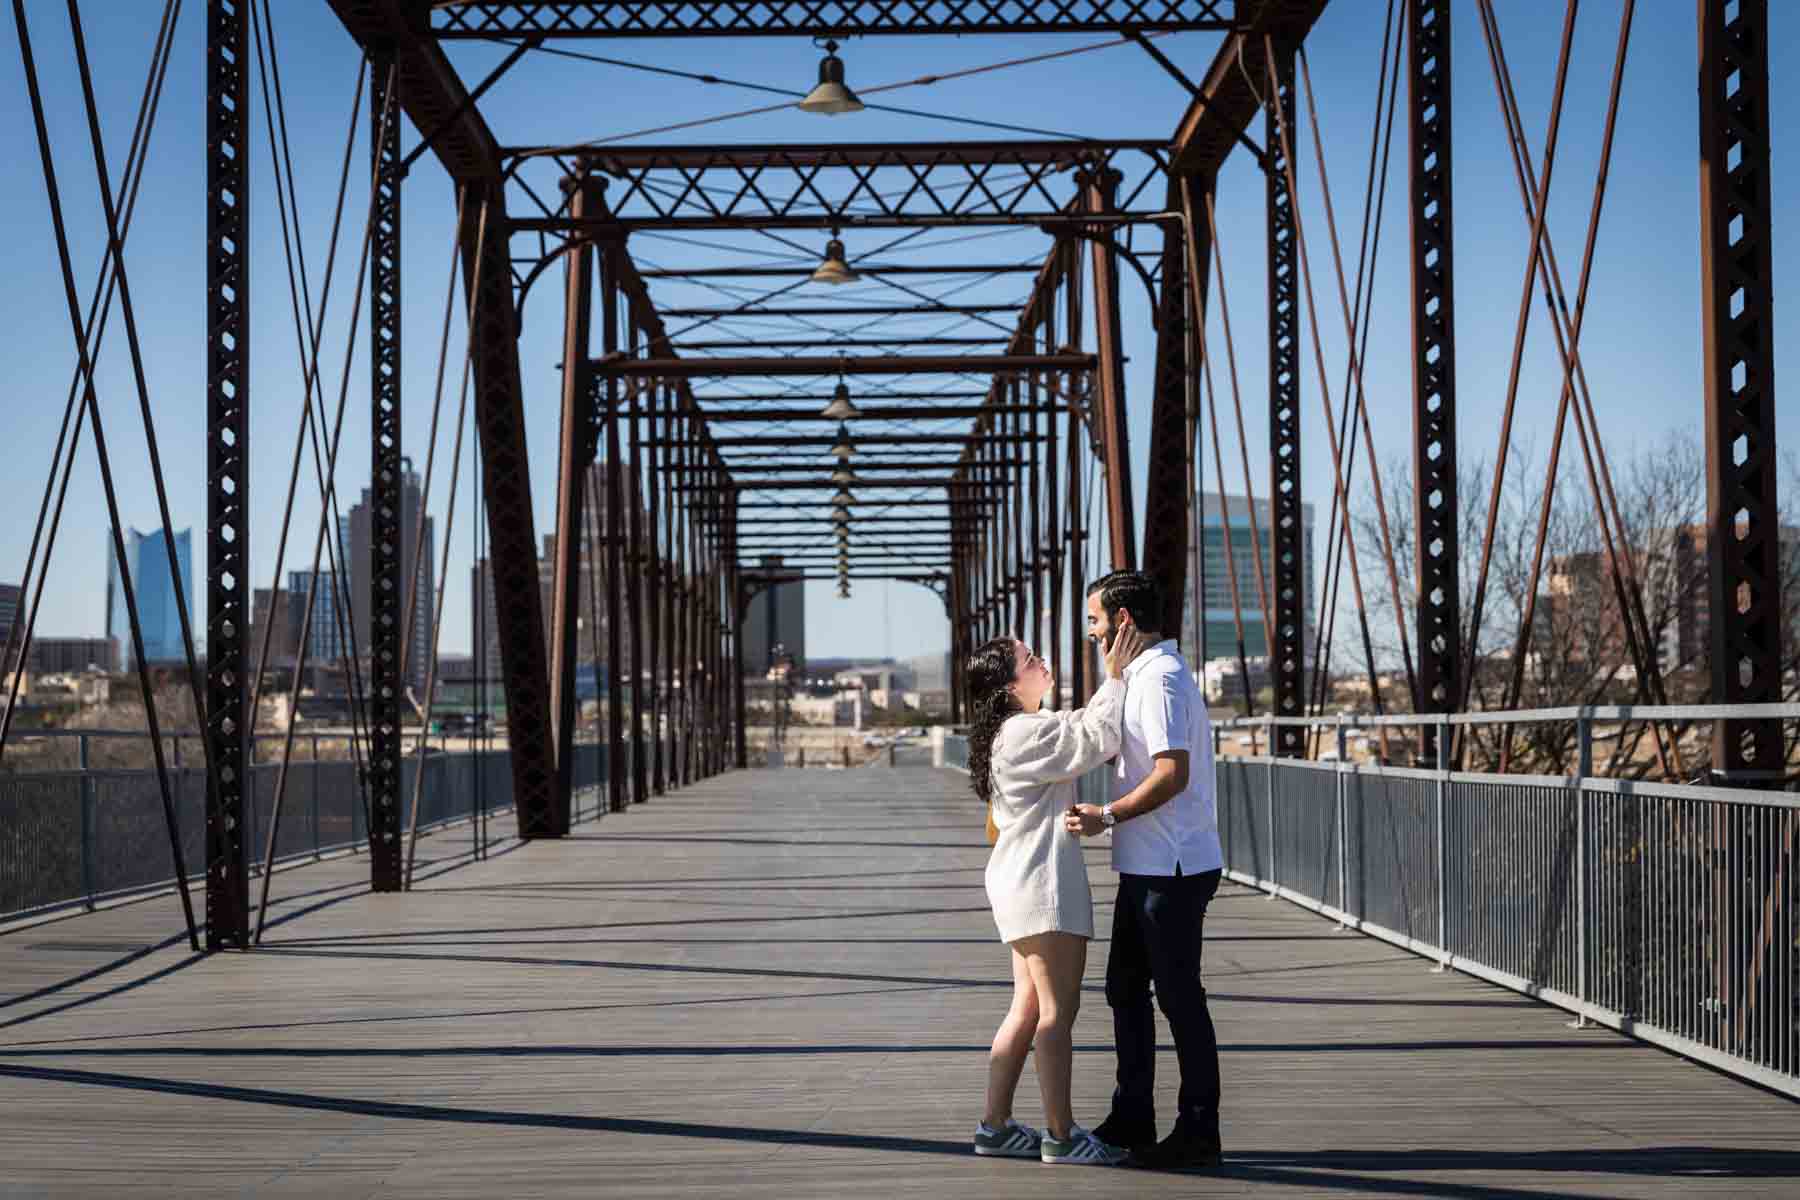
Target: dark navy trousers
[{"x": 1158, "y": 922}]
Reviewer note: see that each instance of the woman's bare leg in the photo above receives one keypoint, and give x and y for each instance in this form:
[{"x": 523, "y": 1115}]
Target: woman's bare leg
[
  {"x": 1056, "y": 962},
  {"x": 1011, "y": 1043}
]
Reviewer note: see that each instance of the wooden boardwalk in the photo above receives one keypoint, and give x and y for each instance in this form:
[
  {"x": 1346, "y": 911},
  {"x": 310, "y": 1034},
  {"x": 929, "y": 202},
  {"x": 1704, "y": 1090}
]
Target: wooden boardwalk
[{"x": 783, "y": 983}]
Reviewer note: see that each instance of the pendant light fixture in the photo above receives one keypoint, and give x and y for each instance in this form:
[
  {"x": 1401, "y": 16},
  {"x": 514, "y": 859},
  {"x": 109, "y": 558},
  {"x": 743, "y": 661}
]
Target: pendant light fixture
[
  {"x": 841, "y": 406},
  {"x": 831, "y": 96},
  {"x": 845, "y": 447},
  {"x": 843, "y": 499},
  {"x": 844, "y": 476},
  {"x": 835, "y": 269}
]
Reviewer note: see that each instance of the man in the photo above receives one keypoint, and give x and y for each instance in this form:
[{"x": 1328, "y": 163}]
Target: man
[{"x": 1165, "y": 847}]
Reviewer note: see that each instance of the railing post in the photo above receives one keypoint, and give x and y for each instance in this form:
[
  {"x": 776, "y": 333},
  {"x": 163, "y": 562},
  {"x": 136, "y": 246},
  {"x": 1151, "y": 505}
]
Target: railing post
[
  {"x": 318, "y": 843},
  {"x": 1443, "y": 875},
  {"x": 1584, "y": 770},
  {"x": 87, "y": 825},
  {"x": 1274, "y": 742},
  {"x": 1343, "y": 753}
]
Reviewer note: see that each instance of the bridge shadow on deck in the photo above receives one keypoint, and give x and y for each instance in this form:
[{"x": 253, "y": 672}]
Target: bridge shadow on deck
[{"x": 764, "y": 985}]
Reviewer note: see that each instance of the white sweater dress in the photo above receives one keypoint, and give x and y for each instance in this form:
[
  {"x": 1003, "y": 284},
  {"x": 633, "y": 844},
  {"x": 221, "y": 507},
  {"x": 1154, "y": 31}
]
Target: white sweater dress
[{"x": 1036, "y": 877}]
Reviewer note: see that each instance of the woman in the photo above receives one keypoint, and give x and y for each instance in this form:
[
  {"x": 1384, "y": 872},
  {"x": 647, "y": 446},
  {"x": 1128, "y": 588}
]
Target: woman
[{"x": 1024, "y": 764}]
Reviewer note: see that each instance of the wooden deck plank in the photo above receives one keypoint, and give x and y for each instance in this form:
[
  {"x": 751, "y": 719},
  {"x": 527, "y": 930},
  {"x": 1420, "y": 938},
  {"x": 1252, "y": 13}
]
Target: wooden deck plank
[{"x": 783, "y": 984}]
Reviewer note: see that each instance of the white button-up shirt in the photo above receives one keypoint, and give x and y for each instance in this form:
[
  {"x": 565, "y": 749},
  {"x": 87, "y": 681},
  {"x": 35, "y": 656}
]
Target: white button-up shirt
[{"x": 1165, "y": 711}]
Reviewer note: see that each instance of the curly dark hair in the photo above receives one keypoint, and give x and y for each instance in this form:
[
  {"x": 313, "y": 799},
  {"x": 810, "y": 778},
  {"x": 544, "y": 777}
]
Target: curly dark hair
[{"x": 990, "y": 672}]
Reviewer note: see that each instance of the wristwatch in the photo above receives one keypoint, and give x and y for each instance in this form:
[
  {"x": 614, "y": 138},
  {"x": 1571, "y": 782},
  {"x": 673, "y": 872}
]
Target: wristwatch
[{"x": 1107, "y": 820}]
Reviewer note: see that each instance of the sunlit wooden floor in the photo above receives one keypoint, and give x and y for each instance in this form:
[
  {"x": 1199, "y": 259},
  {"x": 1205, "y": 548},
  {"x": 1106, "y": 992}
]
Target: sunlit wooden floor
[{"x": 782, "y": 983}]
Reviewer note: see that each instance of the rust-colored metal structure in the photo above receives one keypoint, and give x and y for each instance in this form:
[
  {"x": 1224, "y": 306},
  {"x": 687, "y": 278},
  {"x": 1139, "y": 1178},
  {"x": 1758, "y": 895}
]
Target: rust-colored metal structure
[{"x": 675, "y": 517}]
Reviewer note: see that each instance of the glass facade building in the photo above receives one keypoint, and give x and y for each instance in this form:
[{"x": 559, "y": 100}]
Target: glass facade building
[
  {"x": 147, "y": 558},
  {"x": 1215, "y": 636}
]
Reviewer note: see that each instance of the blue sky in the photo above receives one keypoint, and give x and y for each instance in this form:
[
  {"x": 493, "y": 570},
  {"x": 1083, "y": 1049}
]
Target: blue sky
[{"x": 1641, "y": 347}]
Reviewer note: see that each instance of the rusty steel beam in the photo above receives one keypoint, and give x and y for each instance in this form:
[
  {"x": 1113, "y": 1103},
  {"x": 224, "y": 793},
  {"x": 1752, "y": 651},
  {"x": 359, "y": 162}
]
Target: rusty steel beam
[
  {"x": 1737, "y": 312},
  {"x": 1216, "y": 120},
  {"x": 784, "y": 415},
  {"x": 891, "y": 364},
  {"x": 1109, "y": 415},
  {"x": 1172, "y": 414},
  {"x": 388, "y": 612},
  {"x": 1028, "y": 268},
  {"x": 227, "y": 472},
  {"x": 1435, "y": 505},
  {"x": 576, "y": 450},
  {"x": 488, "y": 19},
  {"x": 1287, "y": 657},
  {"x": 847, "y": 310},
  {"x": 435, "y": 100},
  {"x": 826, "y": 341},
  {"x": 431, "y": 93}
]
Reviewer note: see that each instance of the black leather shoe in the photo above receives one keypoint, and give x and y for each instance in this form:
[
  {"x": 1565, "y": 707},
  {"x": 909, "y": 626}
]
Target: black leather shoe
[
  {"x": 1189, "y": 1147},
  {"x": 1135, "y": 1136}
]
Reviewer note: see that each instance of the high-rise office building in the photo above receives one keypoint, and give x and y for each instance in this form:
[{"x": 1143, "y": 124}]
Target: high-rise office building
[
  {"x": 327, "y": 639},
  {"x": 12, "y": 598},
  {"x": 1216, "y": 636},
  {"x": 359, "y": 540},
  {"x": 159, "y": 614}
]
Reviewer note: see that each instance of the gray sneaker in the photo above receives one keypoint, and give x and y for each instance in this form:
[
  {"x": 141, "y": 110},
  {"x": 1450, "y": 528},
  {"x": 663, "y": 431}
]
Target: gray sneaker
[
  {"x": 1081, "y": 1148},
  {"x": 1011, "y": 1140}
]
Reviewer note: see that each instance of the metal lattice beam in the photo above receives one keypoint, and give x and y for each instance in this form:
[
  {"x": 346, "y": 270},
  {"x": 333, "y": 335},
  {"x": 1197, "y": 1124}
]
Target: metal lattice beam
[
  {"x": 387, "y": 576},
  {"x": 950, "y": 183},
  {"x": 1287, "y": 657},
  {"x": 1434, "y": 357},
  {"x": 1743, "y": 518},
  {"x": 843, "y": 18},
  {"x": 227, "y": 467}
]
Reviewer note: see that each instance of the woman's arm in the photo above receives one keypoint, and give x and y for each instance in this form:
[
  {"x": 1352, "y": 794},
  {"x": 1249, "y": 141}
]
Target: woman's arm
[{"x": 1050, "y": 747}]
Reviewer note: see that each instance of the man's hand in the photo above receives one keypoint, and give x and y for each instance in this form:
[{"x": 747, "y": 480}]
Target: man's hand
[{"x": 1083, "y": 820}]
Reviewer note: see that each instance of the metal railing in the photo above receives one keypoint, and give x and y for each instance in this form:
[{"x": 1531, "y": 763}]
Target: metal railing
[
  {"x": 1665, "y": 911},
  {"x": 85, "y": 833}
]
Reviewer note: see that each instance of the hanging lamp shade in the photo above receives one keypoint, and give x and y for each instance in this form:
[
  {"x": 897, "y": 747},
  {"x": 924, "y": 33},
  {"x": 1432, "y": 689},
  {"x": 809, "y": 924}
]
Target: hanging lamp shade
[
  {"x": 844, "y": 476},
  {"x": 831, "y": 96},
  {"x": 840, "y": 406},
  {"x": 835, "y": 269},
  {"x": 845, "y": 447},
  {"x": 843, "y": 498},
  {"x": 843, "y": 591}
]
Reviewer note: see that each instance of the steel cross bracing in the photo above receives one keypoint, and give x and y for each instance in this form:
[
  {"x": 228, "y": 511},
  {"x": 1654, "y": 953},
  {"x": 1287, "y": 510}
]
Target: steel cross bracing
[
  {"x": 452, "y": 19},
  {"x": 815, "y": 187}
]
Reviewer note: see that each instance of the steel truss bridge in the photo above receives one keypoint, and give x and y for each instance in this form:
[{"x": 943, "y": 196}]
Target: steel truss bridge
[{"x": 990, "y": 460}]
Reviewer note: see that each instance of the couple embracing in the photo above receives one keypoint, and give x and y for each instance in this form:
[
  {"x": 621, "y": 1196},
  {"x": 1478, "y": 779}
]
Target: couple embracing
[{"x": 1024, "y": 763}]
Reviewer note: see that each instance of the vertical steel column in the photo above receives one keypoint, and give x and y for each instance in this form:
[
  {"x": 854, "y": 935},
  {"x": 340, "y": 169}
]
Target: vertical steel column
[
  {"x": 1109, "y": 381},
  {"x": 1053, "y": 547},
  {"x": 683, "y": 673},
  {"x": 506, "y": 482},
  {"x": 575, "y": 454},
  {"x": 1287, "y": 657},
  {"x": 227, "y": 467},
  {"x": 1078, "y": 646},
  {"x": 1166, "y": 509},
  {"x": 740, "y": 755},
  {"x": 658, "y": 473},
  {"x": 1737, "y": 280},
  {"x": 388, "y": 621},
  {"x": 636, "y": 561},
  {"x": 615, "y": 542},
  {"x": 1434, "y": 359}
]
